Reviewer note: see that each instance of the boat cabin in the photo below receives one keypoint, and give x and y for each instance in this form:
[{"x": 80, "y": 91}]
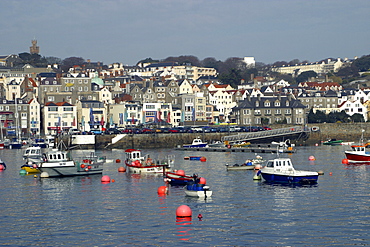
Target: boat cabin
[
  {"x": 197, "y": 141},
  {"x": 280, "y": 164},
  {"x": 133, "y": 154},
  {"x": 32, "y": 151},
  {"x": 358, "y": 148},
  {"x": 56, "y": 156}
]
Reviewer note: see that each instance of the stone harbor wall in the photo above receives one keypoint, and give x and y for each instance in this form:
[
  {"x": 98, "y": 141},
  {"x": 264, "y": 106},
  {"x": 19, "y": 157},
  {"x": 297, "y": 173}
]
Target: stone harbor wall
[{"x": 319, "y": 133}]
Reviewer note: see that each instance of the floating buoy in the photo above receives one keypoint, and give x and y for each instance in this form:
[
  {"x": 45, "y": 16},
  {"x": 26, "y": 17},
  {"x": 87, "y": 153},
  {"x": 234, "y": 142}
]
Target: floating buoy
[
  {"x": 44, "y": 175},
  {"x": 183, "y": 211},
  {"x": 82, "y": 166},
  {"x": 200, "y": 216},
  {"x": 202, "y": 180},
  {"x": 180, "y": 172},
  {"x": 162, "y": 190},
  {"x": 257, "y": 175},
  {"x": 118, "y": 161},
  {"x": 203, "y": 159},
  {"x": 122, "y": 169},
  {"x": 89, "y": 167},
  {"x": 320, "y": 172},
  {"x": 290, "y": 148},
  {"x": 22, "y": 172},
  {"x": 345, "y": 161},
  {"x": 113, "y": 180},
  {"x": 311, "y": 157},
  {"x": 330, "y": 173},
  {"x": 105, "y": 179}
]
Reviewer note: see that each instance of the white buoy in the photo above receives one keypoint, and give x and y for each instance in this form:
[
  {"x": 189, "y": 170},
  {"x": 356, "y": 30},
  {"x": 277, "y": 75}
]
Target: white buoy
[{"x": 44, "y": 175}]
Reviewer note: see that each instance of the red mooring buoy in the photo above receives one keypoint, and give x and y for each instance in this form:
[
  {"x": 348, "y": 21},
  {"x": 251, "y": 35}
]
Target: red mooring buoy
[{"x": 183, "y": 211}]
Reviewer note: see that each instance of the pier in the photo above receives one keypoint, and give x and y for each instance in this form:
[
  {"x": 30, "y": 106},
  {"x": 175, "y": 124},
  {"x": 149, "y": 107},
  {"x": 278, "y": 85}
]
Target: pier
[{"x": 294, "y": 132}]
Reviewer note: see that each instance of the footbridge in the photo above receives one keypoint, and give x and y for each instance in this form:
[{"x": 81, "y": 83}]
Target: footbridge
[{"x": 295, "y": 132}]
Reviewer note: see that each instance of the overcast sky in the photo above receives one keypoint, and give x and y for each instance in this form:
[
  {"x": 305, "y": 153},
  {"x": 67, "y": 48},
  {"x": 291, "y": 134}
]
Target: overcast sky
[{"x": 127, "y": 31}]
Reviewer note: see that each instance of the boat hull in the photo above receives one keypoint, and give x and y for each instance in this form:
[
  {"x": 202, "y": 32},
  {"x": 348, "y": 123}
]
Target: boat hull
[
  {"x": 356, "y": 157},
  {"x": 195, "y": 146},
  {"x": 70, "y": 171},
  {"x": 290, "y": 179},
  {"x": 239, "y": 167},
  {"x": 145, "y": 169},
  {"x": 198, "y": 193},
  {"x": 175, "y": 179},
  {"x": 30, "y": 169}
]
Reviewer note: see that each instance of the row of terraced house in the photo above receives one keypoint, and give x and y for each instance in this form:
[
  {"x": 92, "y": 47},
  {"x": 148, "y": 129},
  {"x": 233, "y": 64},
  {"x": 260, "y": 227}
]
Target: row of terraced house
[{"x": 45, "y": 101}]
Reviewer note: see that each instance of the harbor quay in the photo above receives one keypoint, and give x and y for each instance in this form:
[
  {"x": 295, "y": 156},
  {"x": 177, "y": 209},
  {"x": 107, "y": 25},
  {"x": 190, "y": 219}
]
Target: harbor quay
[{"x": 317, "y": 134}]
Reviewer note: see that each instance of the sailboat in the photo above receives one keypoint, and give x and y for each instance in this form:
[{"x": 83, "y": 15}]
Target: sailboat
[{"x": 16, "y": 142}]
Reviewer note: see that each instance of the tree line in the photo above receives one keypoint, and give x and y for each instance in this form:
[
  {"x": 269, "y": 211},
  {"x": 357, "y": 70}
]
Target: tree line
[{"x": 231, "y": 71}]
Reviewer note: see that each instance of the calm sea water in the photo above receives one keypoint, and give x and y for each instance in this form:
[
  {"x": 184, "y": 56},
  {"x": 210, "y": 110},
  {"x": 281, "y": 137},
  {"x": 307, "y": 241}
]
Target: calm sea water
[{"x": 81, "y": 211}]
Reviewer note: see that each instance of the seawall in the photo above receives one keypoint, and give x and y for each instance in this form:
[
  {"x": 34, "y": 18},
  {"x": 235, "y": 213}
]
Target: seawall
[{"x": 344, "y": 131}]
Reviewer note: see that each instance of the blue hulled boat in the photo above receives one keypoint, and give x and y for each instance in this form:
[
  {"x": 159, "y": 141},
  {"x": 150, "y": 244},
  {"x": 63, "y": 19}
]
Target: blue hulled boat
[{"x": 281, "y": 170}]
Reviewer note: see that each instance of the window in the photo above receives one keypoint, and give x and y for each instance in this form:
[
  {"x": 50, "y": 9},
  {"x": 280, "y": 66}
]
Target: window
[{"x": 267, "y": 103}]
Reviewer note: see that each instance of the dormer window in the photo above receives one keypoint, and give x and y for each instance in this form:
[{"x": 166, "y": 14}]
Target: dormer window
[
  {"x": 267, "y": 103},
  {"x": 257, "y": 104},
  {"x": 277, "y": 103}
]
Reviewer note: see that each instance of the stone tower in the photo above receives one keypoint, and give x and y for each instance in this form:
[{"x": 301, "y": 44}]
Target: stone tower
[{"x": 34, "y": 49}]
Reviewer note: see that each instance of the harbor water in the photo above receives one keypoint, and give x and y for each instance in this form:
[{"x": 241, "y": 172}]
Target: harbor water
[{"x": 83, "y": 211}]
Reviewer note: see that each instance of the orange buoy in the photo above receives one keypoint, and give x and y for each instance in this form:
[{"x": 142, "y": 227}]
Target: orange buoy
[
  {"x": 202, "y": 180},
  {"x": 122, "y": 169},
  {"x": 105, "y": 179},
  {"x": 89, "y": 167},
  {"x": 330, "y": 173},
  {"x": 345, "y": 161},
  {"x": 118, "y": 161},
  {"x": 113, "y": 180},
  {"x": 183, "y": 211},
  {"x": 180, "y": 172},
  {"x": 82, "y": 166},
  {"x": 203, "y": 159},
  {"x": 162, "y": 190},
  {"x": 311, "y": 157}
]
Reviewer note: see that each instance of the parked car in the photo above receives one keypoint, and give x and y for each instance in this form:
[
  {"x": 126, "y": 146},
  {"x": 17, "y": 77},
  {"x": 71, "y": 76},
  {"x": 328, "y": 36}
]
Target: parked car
[
  {"x": 147, "y": 131},
  {"x": 112, "y": 131},
  {"x": 96, "y": 131},
  {"x": 73, "y": 131},
  {"x": 174, "y": 130},
  {"x": 267, "y": 128}
]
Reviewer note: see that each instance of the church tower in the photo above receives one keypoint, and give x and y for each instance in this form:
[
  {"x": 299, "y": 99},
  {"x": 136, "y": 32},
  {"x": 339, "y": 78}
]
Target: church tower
[{"x": 34, "y": 49}]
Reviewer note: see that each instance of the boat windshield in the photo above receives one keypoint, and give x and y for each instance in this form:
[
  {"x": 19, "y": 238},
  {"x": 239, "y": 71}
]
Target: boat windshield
[{"x": 270, "y": 164}]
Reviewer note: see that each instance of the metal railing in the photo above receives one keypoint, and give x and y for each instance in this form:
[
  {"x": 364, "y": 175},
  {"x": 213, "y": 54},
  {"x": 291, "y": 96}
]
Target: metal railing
[{"x": 265, "y": 134}]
